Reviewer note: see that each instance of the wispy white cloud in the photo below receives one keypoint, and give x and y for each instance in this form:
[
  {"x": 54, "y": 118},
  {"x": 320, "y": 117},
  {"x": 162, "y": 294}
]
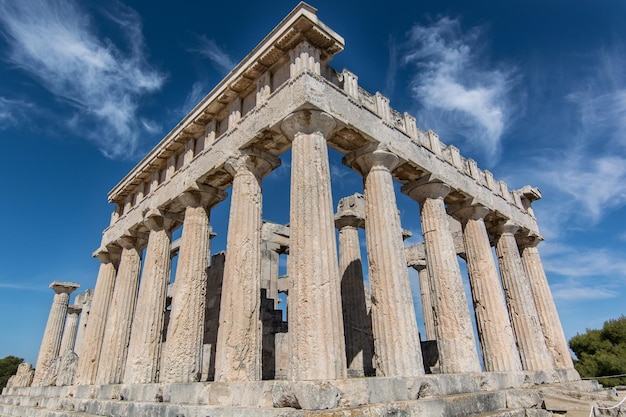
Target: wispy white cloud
[
  {"x": 11, "y": 111},
  {"x": 459, "y": 96},
  {"x": 197, "y": 92},
  {"x": 567, "y": 292},
  {"x": 57, "y": 44},
  {"x": 592, "y": 183},
  {"x": 570, "y": 261},
  {"x": 209, "y": 49},
  {"x": 23, "y": 287}
]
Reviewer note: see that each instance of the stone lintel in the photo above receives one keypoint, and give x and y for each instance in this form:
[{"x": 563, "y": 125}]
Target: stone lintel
[
  {"x": 275, "y": 233},
  {"x": 531, "y": 193}
]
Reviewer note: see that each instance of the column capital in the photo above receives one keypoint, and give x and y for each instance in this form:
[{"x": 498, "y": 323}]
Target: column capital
[
  {"x": 202, "y": 196},
  {"x": 426, "y": 188},
  {"x": 107, "y": 255},
  {"x": 349, "y": 220},
  {"x": 257, "y": 161},
  {"x": 371, "y": 157},
  {"x": 156, "y": 220},
  {"x": 505, "y": 227},
  {"x": 74, "y": 309},
  {"x": 473, "y": 212},
  {"x": 64, "y": 287},
  {"x": 128, "y": 242},
  {"x": 308, "y": 121},
  {"x": 529, "y": 241},
  {"x": 350, "y": 211}
]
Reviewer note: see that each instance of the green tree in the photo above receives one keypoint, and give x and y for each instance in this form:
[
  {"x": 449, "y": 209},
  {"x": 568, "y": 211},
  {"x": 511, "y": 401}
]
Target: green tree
[
  {"x": 602, "y": 352},
  {"x": 8, "y": 367}
]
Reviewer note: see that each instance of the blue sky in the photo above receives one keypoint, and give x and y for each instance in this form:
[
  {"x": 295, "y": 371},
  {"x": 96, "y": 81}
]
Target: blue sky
[{"x": 534, "y": 91}]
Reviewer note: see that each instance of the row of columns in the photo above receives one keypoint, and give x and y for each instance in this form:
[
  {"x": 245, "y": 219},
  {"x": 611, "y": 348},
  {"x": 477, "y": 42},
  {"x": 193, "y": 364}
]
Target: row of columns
[
  {"x": 124, "y": 335},
  {"x": 60, "y": 331}
]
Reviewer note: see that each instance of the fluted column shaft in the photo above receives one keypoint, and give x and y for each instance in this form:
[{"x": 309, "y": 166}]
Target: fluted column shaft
[
  {"x": 546, "y": 309},
  {"x": 69, "y": 332},
  {"x": 91, "y": 346},
  {"x": 453, "y": 325},
  {"x": 316, "y": 339},
  {"x": 51, "y": 341},
  {"x": 492, "y": 320},
  {"x": 182, "y": 354},
  {"x": 356, "y": 322},
  {"x": 522, "y": 311},
  {"x": 112, "y": 361},
  {"x": 144, "y": 349},
  {"x": 427, "y": 303},
  {"x": 239, "y": 338},
  {"x": 396, "y": 337}
]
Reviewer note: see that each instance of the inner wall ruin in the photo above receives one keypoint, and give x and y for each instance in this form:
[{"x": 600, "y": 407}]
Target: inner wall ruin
[{"x": 217, "y": 337}]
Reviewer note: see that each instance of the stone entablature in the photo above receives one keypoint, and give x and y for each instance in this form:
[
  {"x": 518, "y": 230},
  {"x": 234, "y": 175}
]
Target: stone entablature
[
  {"x": 194, "y": 153},
  {"x": 247, "y": 86}
]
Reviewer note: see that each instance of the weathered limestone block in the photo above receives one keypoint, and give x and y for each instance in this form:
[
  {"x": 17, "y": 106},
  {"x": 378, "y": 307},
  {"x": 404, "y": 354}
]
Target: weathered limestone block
[
  {"x": 182, "y": 354},
  {"x": 71, "y": 326},
  {"x": 84, "y": 301},
  {"x": 427, "y": 302},
  {"x": 212, "y": 315},
  {"x": 356, "y": 322},
  {"x": 396, "y": 343},
  {"x": 239, "y": 339},
  {"x": 546, "y": 310},
  {"x": 23, "y": 377},
  {"x": 51, "y": 342},
  {"x": 494, "y": 327},
  {"x": 112, "y": 361},
  {"x": 455, "y": 336},
  {"x": 519, "y": 297},
  {"x": 66, "y": 369},
  {"x": 144, "y": 348},
  {"x": 416, "y": 259},
  {"x": 317, "y": 347},
  {"x": 93, "y": 338}
]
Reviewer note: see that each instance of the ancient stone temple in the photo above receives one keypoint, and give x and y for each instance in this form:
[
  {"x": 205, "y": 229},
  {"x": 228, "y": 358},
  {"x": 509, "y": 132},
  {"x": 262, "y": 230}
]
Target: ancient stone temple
[{"x": 216, "y": 342}]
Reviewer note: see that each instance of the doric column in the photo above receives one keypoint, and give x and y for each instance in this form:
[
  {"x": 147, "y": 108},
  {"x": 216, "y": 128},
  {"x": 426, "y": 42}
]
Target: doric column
[
  {"x": 144, "y": 349},
  {"x": 546, "y": 310},
  {"x": 71, "y": 326},
  {"x": 396, "y": 338},
  {"x": 453, "y": 325},
  {"x": 356, "y": 322},
  {"x": 269, "y": 269},
  {"x": 182, "y": 353},
  {"x": 427, "y": 303},
  {"x": 91, "y": 346},
  {"x": 117, "y": 332},
  {"x": 239, "y": 338},
  {"x": 316, "y": 341},
  {"x": 492, "y": 320},
  {"x": 84, "y": 301},
  {"x": 522, "y": 311},
  {"x": 51, "y": 342}
]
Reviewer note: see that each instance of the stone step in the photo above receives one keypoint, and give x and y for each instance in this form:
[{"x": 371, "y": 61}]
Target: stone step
[{"x": 479, "y": 404}]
